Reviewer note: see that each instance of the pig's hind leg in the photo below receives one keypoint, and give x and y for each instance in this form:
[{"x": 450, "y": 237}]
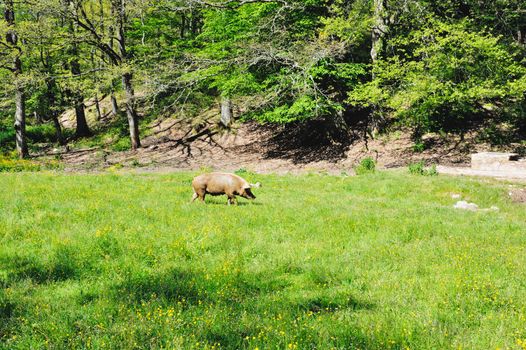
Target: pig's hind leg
[{"x": 199, "y": 193}]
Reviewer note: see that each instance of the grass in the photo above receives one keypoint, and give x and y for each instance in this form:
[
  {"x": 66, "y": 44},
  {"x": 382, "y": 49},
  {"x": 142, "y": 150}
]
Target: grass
[{"x": 381, "y": 261}]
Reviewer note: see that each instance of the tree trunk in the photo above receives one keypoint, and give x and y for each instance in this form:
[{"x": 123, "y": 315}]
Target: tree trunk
[
  {"x": 226, "y": 112},
  {"x": 20, "y": 123},
  {"x": 58, "y": 129},
  {"x": 183, "y": 24},
  {"x": 377, "y": 35},
  {"x": 38, "y": 118},
  {"x": 114, "y": 105},
  {"x": 379, "y": 29},
  {"x": 131, "y": 114},
  {"x": 82, "y": 129},
  {"x": 97, "y": 108},
  {"x": 521, "y": 35},
  {"x": 20, "y": 102},
  {"x": 133, "y": 121},
  {"x": 54, "y": 117}
]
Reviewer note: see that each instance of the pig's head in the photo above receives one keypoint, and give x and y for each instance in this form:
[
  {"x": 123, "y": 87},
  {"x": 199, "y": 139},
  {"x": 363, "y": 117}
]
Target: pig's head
[{"x": 247, "y": 193}]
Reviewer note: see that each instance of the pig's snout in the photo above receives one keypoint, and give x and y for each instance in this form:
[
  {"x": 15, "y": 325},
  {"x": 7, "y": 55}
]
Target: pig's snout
[{"x": 247, "y": 193}]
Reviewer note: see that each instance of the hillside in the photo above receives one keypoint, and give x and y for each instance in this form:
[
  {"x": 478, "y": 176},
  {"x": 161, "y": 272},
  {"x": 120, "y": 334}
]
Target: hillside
[{"x": 171, "y": 144}]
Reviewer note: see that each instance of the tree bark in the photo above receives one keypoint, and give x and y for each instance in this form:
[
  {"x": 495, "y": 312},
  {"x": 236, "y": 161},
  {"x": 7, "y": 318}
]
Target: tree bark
[
  {"x": 226, "y": 112},
  {"x": 133, "y": 121}
]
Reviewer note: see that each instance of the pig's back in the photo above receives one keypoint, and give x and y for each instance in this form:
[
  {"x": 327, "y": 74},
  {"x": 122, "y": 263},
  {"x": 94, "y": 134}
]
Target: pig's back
[{"x": 216, "y": 183}]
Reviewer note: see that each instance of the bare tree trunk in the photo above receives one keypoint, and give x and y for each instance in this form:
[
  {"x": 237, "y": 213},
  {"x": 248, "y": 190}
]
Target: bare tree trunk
[
  {"x": 82, "y": 129},
  {"x": 377, "y": 35},
  {"x": 521, "y": 35},
  {"x": 20, "y": 102},
  {"x": 133, "y": 121},
  {"x": 58, "y": 129},
  {"x": 226, "y": 112},
  {"x": 97, "y": 108},
  {"x": 379, "y": 29},
  {"x": 20, "y": 123},
  {"x": 38, "y": 118},
  {"x": 50, "y": 84},
  {"x": 183, "y": 24},
  {"x": 114, "y": 105}
]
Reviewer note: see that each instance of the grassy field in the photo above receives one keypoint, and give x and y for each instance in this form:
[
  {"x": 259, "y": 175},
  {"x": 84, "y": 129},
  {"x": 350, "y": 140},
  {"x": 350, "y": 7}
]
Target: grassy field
[{"x": 379, "y": 261}]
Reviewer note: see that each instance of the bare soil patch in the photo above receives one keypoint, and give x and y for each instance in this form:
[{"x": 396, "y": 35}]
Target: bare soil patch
[
  {"x": 305, "y": 147},
  {"x": 518, "y": 195}
]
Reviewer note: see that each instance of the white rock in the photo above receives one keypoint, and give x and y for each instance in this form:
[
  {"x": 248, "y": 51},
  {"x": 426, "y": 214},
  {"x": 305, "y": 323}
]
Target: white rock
[
  {"x": 466, "y": 206},
  {"x": 455, "y": 196}
]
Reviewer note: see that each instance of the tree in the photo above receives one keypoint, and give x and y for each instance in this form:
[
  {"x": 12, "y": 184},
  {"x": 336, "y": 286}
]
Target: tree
[
  {"x": 14, "y": 52},
  {"x": 119, "y": 57}
]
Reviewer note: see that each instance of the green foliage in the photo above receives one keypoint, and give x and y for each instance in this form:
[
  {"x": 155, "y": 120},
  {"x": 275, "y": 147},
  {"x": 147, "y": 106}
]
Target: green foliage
[
  {"x": 443, "y": 66},
  {"x": 419, "y": 146},
  {"x": 367, "y": 166},
  {"x": 419, "y": 168},
  {"x": 124, "y": 261},
  {"x": 446, "y": 77},
  {"x": 122, "y": 144}
]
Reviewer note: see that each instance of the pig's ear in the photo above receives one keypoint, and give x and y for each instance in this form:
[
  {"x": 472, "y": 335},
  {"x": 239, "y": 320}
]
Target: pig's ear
[{"x": 256, "y": 185}]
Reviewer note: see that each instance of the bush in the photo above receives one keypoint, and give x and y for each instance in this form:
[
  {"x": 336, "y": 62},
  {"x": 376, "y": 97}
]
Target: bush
[
  {"x": 366, "y": 166},
  {"x": 9, "y": 163},
  {"x": 419, "y": 168},
  {"x": 122, "y": 144},
  {"x": 419, "y": 147},
  {"x": 17, "y": 165}
]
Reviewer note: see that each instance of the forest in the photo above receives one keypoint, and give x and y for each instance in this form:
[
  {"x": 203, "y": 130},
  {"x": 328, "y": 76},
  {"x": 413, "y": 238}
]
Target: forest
[{"x": 448, "y": 67}]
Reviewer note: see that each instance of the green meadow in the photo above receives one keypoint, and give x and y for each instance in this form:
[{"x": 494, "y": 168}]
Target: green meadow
[{"x": 378, "y": 261}]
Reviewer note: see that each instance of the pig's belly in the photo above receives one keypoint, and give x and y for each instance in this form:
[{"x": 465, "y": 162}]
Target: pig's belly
[{"x": 215, "y": 193}]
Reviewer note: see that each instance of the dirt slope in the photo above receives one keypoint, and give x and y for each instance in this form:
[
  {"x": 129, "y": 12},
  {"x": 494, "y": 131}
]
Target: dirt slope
[{"x": 173, "y": 145}]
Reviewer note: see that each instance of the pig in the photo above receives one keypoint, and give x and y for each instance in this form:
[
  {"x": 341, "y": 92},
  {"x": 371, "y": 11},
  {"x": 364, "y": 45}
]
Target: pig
[{"x": 217, "y": 184}]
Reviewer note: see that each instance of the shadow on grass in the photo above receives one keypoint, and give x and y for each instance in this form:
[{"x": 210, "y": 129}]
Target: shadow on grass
[
  {"x": 241, "y": 204},
  {"x": 61, "y": 265},
  {"x": 172, "y": 284},
  {"x": 321, "y": 305},
  {"x": 7, "y": 312}
]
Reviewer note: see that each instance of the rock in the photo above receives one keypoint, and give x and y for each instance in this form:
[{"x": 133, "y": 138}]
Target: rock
[
  {"x": 499, "y": 161},
  {"x": 455, "y": 195},
  {"x": 466, "y": 206}
]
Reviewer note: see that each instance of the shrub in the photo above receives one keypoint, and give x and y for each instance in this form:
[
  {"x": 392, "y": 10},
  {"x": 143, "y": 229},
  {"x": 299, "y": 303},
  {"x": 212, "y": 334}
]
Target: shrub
[
  {"x": 17, "y": 165},
  {"x": 9, "y": 163},
  {"x": 419, "y": 147},
  {"x": 419, "y": 168},
  {"x": 366, "y": 166},
  {"x": 122, "y": 144}
]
